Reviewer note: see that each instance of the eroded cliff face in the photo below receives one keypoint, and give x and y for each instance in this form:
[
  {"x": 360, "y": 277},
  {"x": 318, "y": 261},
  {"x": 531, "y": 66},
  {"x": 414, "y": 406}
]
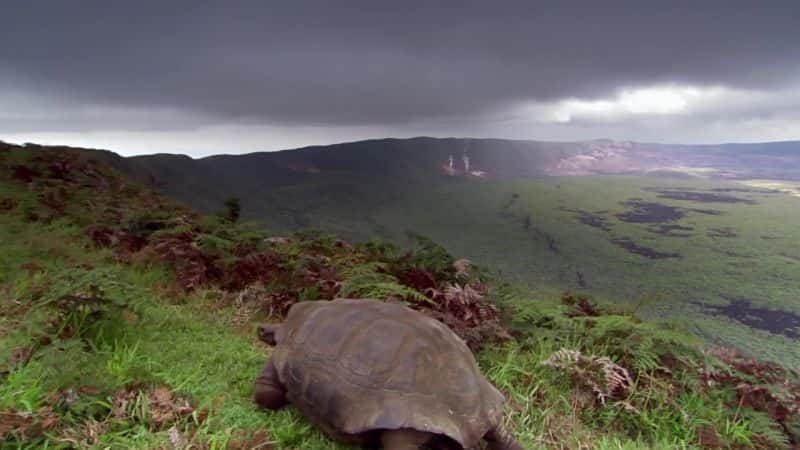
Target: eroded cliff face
[
  {"x": 624, "y": 157},
  {"x": 773, "y": 161},
  {"x": 600, "y": 157}
]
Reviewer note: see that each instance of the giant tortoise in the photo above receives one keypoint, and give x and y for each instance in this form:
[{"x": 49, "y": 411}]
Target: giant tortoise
[{"x": 377, "y": 374}]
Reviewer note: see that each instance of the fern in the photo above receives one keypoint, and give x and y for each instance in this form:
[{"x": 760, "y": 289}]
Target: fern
[
  {"x": 464, "y": 295},
  {"x": 379, "y": 250},
  {"x": 603, "y": 377},
  {"x": 366, "y": 281},
  {"x": 762, "y": 425},
  {"x": 462, "y": 267},
  {"x": 430, "y": 256},
  {"x": 213, "y": 245},
  {"x": 645, "y": 358},
  {"x": 388, "y": 290}
]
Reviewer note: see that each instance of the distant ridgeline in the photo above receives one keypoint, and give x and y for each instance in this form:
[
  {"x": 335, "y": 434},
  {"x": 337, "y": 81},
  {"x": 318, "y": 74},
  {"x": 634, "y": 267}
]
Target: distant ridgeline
[{"x": 281, "y": 187}]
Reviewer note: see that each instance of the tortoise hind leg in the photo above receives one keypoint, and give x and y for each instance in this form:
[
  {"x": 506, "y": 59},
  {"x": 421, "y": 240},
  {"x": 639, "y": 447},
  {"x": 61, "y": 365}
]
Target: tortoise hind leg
[
  {"x": 500, "y": 439},
  {"x": 404, "y": 439},
  {"x": 270, "y": 393}
]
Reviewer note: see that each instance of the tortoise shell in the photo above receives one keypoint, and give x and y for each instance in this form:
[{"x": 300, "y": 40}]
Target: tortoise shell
[{"x": 363, "y": 365}]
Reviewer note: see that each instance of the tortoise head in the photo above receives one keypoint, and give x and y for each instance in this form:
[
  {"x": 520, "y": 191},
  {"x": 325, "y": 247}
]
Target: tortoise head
[{"x": 267, "y": 333}]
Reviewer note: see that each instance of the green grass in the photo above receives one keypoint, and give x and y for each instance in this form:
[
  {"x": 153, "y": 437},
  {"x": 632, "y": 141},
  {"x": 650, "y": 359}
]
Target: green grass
[
  {"x": 189, "y": 345},
  {"x": 470, "y": 220},
  {"x": 382, "y": 189},
  {"x": 184, "y": 345},
  {"x": 103, "y": 333}
]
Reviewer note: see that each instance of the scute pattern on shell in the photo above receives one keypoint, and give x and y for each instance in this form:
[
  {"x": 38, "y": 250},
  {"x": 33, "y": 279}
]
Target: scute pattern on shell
[{"x": 361, "y": 365}]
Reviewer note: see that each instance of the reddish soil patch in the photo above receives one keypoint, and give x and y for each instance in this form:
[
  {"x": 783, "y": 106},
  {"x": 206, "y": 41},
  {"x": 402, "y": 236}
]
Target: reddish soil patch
[
  {"x": 24, "y": 174},
  {"x": 580, "y": 306},
  {"x": 7, "y": 204}
]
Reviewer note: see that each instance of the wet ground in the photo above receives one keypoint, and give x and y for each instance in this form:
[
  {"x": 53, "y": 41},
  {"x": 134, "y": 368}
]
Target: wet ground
[
  {"x": 710, "y": 212},
  {"x": 722, "y": 232},
  {"x": 650, "y": 212},
  {"x": 774, "y": 321},
  {"x": 670, "y": 230},
  {"x": 594, "y": 219},
  {"x": 641, "y": 250},
  {"x": 730, "y": 253},
  {"x": 747, "y": 190},
  {"x": 700, "y": 197}
]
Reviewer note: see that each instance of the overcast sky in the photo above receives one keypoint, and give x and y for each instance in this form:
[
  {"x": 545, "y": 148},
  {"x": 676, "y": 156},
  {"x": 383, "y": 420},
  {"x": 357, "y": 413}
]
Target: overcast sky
[{"x": 199, "y": 78}]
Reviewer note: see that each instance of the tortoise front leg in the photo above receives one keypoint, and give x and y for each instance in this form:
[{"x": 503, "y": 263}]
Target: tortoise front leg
[
  {"x": 404, "y": 439},
  {"x": 500, "y": 439},
  {"x": 270, "y": 393}
]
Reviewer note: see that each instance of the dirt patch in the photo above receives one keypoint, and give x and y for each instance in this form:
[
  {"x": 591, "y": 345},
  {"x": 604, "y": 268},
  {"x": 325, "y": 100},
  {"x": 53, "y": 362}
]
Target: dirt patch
[
  {"x": 650, "y": 212},
  {"x": 763, "y": 386},
  {"x": 701, "y": 197},
  {"x": 641, "y": 250},
  {"x": 580, "y": 306},
  {"x": 773, "y": 321},
  {"x": 258, "y": 440},
  {"x": 24, "y": 173},
  {"x": 670, "y": 230},
  {"x": 722, "y": 232},
  {"x": 26, "y": 425},
  {"x": 7, "y": 204}
]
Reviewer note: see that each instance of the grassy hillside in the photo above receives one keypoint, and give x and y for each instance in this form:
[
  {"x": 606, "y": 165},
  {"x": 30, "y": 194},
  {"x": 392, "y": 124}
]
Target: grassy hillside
[
  {"x": 289, "y": 189},
  {"x": 731, "y": 269},
  {"x": 701, "y": 232},
  {"x": 128, "y": 322}
]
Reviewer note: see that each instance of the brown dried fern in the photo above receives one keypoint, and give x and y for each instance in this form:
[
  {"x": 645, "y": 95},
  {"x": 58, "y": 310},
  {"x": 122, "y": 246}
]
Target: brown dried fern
[{"x": 598, "y": 374}]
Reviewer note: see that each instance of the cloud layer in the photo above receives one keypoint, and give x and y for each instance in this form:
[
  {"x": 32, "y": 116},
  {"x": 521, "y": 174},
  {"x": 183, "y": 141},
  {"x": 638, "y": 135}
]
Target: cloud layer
[{"x": 187, "y": 73}]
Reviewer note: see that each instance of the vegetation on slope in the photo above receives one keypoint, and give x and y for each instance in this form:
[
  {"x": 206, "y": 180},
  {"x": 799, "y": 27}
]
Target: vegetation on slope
[
  {"x": 574, "y": 241},
  {"x": 128, "y": 322},
  {"x": 693, "y": 239},
  {"x": 313, "y": 185}
]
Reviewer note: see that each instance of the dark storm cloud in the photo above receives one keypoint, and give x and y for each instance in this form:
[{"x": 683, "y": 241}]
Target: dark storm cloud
[{"x": 383, "y": 62}]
